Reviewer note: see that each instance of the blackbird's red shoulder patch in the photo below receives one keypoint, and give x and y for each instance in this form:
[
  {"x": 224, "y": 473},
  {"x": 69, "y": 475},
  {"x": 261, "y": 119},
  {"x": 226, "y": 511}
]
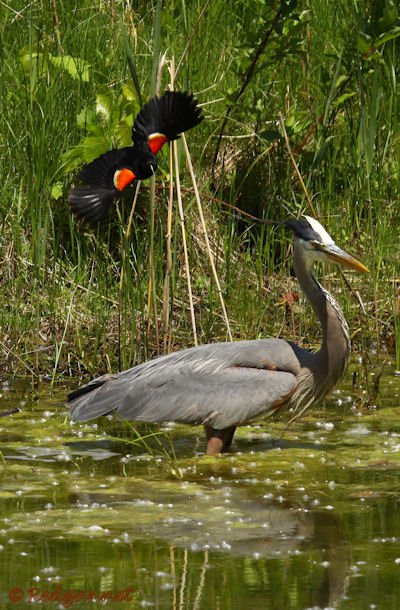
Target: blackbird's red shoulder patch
[
  {"x": 122, "y": 178},
  {"x": 156, "y": 141}
]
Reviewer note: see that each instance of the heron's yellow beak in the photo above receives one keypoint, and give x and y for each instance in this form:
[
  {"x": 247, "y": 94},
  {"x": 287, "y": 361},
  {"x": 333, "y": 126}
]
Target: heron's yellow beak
[{"x": 337, "y": 255}]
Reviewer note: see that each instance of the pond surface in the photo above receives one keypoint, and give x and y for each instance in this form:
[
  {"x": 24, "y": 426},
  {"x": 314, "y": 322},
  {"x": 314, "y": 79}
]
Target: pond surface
[{"x": 307, "y": 520}]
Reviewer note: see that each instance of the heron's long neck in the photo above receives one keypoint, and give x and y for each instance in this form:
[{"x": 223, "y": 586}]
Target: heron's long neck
[{"x": 331, "y": 360}]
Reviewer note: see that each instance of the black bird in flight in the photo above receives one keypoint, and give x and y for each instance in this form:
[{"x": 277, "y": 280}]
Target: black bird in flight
[{"x": 161, "y": 120}]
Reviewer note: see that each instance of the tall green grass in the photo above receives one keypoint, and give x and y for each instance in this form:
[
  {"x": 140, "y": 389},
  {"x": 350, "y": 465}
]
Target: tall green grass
[{"x": 75, "y": 299}]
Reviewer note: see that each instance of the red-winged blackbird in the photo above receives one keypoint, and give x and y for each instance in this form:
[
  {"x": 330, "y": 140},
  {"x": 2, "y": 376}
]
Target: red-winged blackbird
[{"x": 161, "y": 120}]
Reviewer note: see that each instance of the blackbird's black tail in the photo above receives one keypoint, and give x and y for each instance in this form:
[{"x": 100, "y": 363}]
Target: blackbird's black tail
[
  {"x": 91, "y": 202},
  {"x": 170, "y": 115}
]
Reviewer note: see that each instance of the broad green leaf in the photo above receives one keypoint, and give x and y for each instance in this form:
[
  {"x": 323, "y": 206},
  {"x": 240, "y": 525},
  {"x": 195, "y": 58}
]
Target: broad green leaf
[
  {"x": 340, "y": 79},
  {"x": 33, "y": 61},
  {"x": 76, "y": 67},
  {"x": 123, "y": 133},
  {"x": 342, "y": 98},
  {"x": 104, "y": 104},
  {"x": 88, "y": 149},
  {"x": 57, "y": 190},
  {"x": 71, "y": 159},
  {"x": 129, "y": 91},
  {"x": 364, "y": 42},
  {"x": 93, "y": 146},
  {"x": 386, "y": 36},
  {"x": 86, "y": 119}
]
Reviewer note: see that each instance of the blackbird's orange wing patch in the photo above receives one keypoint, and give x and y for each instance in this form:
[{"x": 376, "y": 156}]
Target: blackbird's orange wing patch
[
  {"x": 122, "y": 178},
  {"x": 156, "y": 141}
]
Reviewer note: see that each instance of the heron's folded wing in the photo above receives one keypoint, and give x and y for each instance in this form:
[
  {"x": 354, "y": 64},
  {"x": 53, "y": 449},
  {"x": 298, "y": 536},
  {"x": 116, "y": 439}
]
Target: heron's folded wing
[{"x": 222, "y": 398}]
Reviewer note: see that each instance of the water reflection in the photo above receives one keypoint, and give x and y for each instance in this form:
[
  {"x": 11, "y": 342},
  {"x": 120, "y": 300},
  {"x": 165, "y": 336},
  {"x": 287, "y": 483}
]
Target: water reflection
[
  {"x": 277, "y": 566},
  {"x": 308, "y": 521}
]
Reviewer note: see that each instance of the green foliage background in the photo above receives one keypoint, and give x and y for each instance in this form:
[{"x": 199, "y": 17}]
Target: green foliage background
[{"x": 67, "y": 95}]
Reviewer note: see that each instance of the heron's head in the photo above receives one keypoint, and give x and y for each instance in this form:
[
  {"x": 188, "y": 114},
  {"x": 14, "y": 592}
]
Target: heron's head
[{"x": 316, "y": 244}]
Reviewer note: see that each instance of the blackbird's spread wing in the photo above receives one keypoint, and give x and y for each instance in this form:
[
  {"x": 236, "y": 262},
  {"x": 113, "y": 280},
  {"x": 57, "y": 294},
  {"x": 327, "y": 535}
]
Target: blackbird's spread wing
[
  {"x": 101, "y": 171},
  {"x": 106, "y": 177},
  {"x": 162, "y": 119},
  {"x": 220, "y": 385}
]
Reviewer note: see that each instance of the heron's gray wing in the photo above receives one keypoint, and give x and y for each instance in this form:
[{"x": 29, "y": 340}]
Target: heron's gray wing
[{"x": 221, "y": 398}]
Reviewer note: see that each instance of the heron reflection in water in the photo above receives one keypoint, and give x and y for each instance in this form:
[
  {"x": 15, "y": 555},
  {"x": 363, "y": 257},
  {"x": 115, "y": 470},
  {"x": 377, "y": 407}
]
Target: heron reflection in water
[{"x": 225, "y": 385}]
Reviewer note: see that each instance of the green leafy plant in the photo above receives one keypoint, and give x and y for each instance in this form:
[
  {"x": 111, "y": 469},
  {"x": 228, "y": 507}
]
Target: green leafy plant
[{"x": 108, "y": 123}]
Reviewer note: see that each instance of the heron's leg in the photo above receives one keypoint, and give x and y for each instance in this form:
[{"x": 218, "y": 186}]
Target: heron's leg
[
  {"x": 229, "y": 438},
  {"x": 218, "y": 440}
]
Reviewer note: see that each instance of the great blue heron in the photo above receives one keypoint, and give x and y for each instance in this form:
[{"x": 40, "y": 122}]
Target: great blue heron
[{"x": 224, "y": 385}]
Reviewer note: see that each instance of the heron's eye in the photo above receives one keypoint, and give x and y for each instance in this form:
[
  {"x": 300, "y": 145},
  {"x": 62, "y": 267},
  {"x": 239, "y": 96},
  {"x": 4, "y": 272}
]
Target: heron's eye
[{"x": 317, "y": 245}]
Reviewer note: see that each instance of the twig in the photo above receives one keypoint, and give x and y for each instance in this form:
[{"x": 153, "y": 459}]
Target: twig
[
  {"x": 185, "y": 250},
  {"x": 221, "y": 202},
  {"x": 152, "y": 296},
  {"x": 121, "y": 277},
  {"x": 130, "y": 219},
  {"x": 158, "y": 64},
  {"x": 57, "y": 27},
  {"x": 204, "y": 227},
  {"x": 168, "y": 269}
]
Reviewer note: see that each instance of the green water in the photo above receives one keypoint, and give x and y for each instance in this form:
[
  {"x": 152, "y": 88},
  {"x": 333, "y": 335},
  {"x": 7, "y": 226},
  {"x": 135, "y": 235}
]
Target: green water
[{"x": 307, "y": 521}]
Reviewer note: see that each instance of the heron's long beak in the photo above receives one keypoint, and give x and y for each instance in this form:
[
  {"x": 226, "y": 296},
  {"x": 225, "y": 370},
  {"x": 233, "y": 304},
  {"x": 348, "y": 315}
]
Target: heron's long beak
[{"x": 338, "y": 255}]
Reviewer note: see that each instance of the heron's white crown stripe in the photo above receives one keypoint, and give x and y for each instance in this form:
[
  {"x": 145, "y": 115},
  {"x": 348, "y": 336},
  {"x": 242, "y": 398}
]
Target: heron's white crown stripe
[{"x": 318, "y": 228}]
